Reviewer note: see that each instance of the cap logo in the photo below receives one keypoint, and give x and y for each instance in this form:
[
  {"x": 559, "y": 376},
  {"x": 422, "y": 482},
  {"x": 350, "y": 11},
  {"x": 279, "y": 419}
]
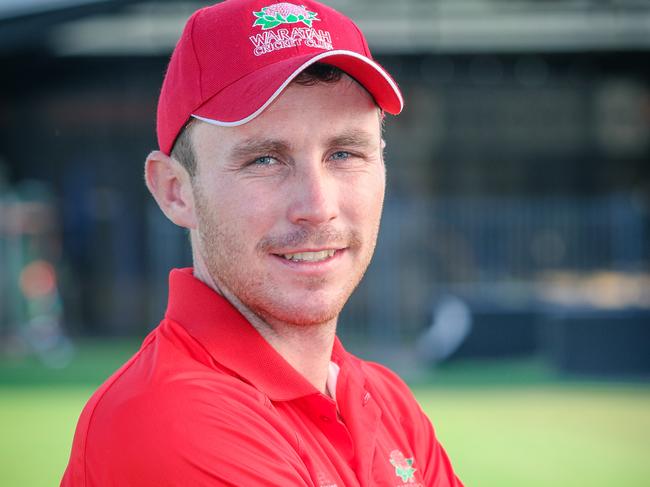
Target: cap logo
[
  {"x": 284, "y": 13},
  {"x": 287, "y": 13}
]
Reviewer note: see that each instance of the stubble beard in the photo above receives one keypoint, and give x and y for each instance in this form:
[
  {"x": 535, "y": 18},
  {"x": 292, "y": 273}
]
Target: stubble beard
[{"x": 225, "y": 261}]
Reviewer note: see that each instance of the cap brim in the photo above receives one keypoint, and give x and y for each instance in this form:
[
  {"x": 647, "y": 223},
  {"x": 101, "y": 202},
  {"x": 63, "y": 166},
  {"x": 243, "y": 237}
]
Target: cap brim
[{"x": 247, "y": 97}]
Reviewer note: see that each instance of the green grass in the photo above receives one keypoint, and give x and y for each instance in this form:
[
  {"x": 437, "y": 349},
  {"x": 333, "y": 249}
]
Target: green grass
[
  {"x": 39, "y": 408},
  {"x": 37, "y": 424},
  {"x": 544, "y": 436},
  {"x": 503, "y": 424},
  {"x": 92, "y": 362}
]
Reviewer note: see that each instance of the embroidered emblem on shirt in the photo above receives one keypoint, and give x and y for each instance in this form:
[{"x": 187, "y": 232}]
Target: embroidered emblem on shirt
[
  {"x": 287, "y": 13},
  {"x": 284, "y": 13},
  {"x": 403, "y": 466}
]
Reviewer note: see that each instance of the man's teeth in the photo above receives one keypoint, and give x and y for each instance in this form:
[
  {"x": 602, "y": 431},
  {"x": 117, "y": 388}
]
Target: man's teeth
[{"x": 310, "y": 256}]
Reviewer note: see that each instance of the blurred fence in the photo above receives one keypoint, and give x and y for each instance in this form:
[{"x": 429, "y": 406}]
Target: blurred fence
[
  {"x": 494, "y": 252},
  {"x": 503, "y": 251},
  {"x": 503, "y": 238}
]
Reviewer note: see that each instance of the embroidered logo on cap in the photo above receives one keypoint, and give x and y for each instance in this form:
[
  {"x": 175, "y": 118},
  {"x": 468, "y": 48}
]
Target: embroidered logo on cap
[
  {"x": 283, "y": 13},
  {"x": 403, "y": 466},
  {"x": 287, "y": 13}
]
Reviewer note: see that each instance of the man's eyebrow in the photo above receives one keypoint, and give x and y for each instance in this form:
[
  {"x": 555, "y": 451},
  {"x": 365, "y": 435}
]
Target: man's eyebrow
[
  {"x": 256, "y": 147},
  {"x": 354, "y": 138}
]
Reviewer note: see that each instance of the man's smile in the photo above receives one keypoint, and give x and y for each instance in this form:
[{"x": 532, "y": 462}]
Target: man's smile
[{"x": 315, "y": 256}]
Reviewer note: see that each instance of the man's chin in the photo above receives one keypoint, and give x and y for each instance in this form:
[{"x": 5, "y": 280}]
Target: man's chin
[
  {"x": 291, "y": 304},
  {"x": 301, "y": 314},
  {"x": 305, "y": 305}
]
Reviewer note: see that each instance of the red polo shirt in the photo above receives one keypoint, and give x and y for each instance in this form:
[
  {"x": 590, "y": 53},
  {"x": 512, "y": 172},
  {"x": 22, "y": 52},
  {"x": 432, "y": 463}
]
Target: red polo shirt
[{"x": 208, "y": 402}]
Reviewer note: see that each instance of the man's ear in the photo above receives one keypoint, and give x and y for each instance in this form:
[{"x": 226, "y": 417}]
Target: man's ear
[{"x": 171, "y": 187}]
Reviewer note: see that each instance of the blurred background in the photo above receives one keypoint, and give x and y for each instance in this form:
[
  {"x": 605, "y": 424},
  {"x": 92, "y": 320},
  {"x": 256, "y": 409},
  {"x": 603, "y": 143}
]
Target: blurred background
[{"x": 511, "y": 281}]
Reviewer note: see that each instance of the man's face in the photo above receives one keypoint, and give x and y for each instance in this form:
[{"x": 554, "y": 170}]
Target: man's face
[{"x": 288, "y": 205}]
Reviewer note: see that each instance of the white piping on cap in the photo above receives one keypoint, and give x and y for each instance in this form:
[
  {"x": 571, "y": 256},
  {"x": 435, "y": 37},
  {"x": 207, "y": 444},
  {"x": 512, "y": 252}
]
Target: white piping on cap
[{"x": 313, "y": 60}]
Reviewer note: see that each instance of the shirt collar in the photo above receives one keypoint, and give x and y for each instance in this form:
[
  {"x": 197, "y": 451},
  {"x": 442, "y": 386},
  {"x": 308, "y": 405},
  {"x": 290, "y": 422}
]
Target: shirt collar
[{"x": 232, "y": 341}]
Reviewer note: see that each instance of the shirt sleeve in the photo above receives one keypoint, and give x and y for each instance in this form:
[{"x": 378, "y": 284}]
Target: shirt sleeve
[
  {"x": 197, "y": 433},
  {"x": 439, "y": 471}
]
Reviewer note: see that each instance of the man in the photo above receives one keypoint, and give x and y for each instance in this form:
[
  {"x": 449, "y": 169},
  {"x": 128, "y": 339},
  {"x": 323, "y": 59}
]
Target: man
[{"x": 269, "y": 125}]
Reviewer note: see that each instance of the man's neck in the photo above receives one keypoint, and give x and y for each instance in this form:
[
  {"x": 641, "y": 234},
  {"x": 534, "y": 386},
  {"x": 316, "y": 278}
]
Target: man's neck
[{"x": 308, "y": 348}]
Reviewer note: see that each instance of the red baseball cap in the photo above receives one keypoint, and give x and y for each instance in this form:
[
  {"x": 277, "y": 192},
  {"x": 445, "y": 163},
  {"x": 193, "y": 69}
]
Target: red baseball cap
[{"x": 234, "y": 58}]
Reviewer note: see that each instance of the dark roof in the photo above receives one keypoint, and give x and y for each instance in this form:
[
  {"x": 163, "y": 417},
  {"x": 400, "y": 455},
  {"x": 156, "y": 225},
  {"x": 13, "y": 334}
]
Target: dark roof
[
  {"x": 24, "y": 24},
  {"x": 148, "y": 27}
]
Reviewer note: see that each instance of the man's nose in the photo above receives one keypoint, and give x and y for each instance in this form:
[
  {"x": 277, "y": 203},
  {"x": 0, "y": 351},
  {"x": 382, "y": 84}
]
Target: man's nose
[{"x": 314, "y": 196}]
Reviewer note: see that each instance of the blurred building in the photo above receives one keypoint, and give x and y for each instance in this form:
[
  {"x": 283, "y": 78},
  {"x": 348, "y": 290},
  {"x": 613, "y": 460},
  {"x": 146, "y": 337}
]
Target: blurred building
[{"x": 519, "y": 172}]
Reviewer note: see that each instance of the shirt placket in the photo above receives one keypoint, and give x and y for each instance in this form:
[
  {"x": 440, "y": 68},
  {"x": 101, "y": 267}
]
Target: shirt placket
[
  {"x": 363, "y": 426},
  {"x": 322, "y": 413}
]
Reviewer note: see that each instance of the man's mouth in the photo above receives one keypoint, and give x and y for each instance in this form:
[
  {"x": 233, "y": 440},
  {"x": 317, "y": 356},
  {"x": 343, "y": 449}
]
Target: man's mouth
[{"x": 310, "y": 256}]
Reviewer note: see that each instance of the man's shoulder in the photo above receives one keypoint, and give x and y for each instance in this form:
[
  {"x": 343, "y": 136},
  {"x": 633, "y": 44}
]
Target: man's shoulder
[
  {"x": 165, "y": 377},
  {"x": 162, "y": 415},
  {"x": 170, "y": 379},
  {"x": 156, "y": 399},
  {"x": 375, "y": 372},
  {"x": 386, "y": 386}
]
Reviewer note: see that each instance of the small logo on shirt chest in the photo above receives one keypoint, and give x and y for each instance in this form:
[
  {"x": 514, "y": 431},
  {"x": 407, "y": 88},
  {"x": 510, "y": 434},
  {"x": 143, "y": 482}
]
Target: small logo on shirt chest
[{"x": 403, "y": 466}]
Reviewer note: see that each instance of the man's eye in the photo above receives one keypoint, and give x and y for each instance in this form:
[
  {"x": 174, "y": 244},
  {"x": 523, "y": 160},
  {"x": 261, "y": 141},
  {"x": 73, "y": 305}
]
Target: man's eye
[
  {"x": 264, "y": 161},
  {"x": 341, "y": 155}
]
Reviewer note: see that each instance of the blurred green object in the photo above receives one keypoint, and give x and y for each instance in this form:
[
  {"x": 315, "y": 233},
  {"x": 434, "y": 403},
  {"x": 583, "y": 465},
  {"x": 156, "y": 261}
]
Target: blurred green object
[
  {"x": 31, "y": 306},
  {"x": 503, "y": 424}
]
